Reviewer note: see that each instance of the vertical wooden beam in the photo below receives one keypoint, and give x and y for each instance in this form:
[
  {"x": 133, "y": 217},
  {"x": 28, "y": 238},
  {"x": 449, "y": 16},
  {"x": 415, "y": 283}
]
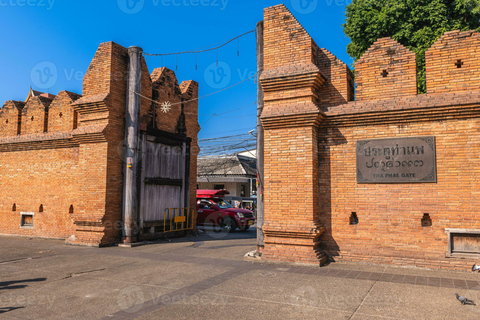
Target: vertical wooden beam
[
  {"x": 260, "y": 189},
  {"x": 132, "y": 117}
]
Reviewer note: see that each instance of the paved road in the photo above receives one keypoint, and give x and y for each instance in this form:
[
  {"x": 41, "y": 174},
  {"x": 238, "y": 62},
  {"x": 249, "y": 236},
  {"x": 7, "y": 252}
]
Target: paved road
[{"x": 207, "y": 277}]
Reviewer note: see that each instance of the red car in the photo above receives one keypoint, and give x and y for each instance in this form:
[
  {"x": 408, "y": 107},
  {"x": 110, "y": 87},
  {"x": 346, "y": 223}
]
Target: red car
[{"x": 213, "y": 210}]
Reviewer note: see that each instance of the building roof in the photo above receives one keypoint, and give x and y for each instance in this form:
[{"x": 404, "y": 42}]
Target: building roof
[
  {"x": 231, "y": 165},
  {"x": 35, "y": 93}
]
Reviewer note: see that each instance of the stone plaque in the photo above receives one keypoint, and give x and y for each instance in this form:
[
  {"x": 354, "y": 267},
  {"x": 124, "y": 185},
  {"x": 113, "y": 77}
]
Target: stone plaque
[{"x": 399, "y": 160}]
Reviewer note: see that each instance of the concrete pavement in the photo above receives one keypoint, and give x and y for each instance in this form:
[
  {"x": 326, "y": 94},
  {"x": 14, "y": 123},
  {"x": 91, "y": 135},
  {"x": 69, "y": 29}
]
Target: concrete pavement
[{"x": 208, "y": 277}]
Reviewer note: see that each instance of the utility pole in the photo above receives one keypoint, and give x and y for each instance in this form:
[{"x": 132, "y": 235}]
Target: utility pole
[
  {"x": 132, "y": 116},
  {"x": 260, "y": 189}
]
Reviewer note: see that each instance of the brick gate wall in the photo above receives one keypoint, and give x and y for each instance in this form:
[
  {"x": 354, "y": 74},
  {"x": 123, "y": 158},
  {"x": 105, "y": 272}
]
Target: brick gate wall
[
  {"x": 389, "y": 228},
  {"x": 65, "y": 154},
  {"x": 311, "y": 190}
]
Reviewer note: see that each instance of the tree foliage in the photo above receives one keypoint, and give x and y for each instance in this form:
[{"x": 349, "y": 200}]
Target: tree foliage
[{"x": 416, "y": 24}]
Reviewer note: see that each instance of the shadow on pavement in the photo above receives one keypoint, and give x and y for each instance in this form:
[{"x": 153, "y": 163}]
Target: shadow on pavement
[
  {"x": 7, "y": 309},
  {"x": 9, "y": 285},
  {"x": 212, "y": 234}
]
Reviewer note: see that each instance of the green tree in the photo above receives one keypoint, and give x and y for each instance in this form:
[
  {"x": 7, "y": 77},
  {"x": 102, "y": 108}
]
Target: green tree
[{"x": 416, "y": 24}]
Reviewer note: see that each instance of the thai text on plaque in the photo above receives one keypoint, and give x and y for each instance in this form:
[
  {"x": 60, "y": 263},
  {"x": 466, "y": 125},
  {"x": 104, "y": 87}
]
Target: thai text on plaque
[{"x": 398, "y": 160}]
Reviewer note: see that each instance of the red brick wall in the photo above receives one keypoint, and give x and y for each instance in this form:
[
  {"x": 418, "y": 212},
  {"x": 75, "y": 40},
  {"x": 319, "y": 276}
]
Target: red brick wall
[
  {"x": 389, "y": 228},
  {"x": 60, "y": 112},
  {"x": 290, "y": 201},
  {"x": 339, "y": 85},
  {"x": 441, "y": 59},
  {"x": 115, "y": 135},
  {"x": 311, "y": 131},
  {"x": 189, "y": 91},
  {"x": 290, "y": 81},
  {"x": 39, "y": 177},
  {"x": 388, "y": 55},
  {"x": 282, "y": 29},
  {"x": 34, "y": 115},
  {"x": 53, "y": 164},
  {"x": 167, "y": 90},
  {"x": 9, "y": 116}
]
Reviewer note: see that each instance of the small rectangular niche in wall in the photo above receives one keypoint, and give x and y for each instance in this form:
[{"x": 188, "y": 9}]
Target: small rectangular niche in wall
[
  {"x": 353, "y": 218},
  {"x": 26, "y": 220},
  {"x": 463, "y": 243},
  {"x": 426, "y": 220}
]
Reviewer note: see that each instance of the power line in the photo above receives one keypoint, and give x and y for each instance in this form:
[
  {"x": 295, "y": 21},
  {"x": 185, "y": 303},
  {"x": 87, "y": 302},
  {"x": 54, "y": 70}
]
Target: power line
[
  {"x": 230, "y": 131},
  {"x": 213, "y": 115},
  {"x": 195, "y": 99},
  {"x": 197, "y": 51},
  {"x": 226, "y": 145},
  {"x": 225, "y": 137}
]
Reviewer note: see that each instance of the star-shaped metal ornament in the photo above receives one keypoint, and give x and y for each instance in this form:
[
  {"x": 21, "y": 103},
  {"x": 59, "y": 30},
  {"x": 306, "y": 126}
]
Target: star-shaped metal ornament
[{"x": 166, "y": 106}]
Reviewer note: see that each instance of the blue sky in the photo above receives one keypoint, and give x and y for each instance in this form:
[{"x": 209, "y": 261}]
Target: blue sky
[{"x": 63, "y": 35}]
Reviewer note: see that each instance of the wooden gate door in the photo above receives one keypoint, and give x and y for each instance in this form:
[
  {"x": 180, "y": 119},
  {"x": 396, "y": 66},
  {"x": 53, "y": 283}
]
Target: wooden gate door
[{"x": 164, "y": 179}]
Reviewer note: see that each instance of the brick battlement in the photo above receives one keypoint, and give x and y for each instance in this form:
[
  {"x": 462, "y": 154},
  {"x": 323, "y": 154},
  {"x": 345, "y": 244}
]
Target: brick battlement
[{"x": 386, "y": 70}]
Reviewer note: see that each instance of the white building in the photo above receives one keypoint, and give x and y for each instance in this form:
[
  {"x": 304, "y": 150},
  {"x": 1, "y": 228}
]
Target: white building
[{"x": 237, "y": 173}]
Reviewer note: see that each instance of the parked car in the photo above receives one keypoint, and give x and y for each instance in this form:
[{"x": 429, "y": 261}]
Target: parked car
[{"x": 214, "y": 211}]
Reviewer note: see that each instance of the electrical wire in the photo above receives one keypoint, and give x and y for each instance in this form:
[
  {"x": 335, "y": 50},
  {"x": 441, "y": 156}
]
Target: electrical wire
[
  {"x": 219, "y": 138},
  {"x": 195, "y": 99},
  {"x": 230, "y": 131},
  {"x": 196, "y": 51}
]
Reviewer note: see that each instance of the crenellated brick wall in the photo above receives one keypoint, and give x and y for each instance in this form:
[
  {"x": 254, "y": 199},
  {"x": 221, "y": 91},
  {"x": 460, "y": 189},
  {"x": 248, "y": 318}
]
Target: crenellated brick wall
[
  {"x": 386, "y": 70},
  {"x": 11, "y": 118},
  {"x": 61, "y": 115},
  {"x": 35, "y": 115},
  {"x": 64, "y": 152},
  {"x": 311, "y": 128},
  {"x": 339, "y": 84},
  {"x": 453, "y": 62}
]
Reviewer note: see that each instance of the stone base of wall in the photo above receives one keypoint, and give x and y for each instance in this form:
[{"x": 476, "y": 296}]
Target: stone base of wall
[
  {"x": 455, "y": 264},
  {"x": 294, "y": 247},
  {"x": 293, "y": 253}
]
